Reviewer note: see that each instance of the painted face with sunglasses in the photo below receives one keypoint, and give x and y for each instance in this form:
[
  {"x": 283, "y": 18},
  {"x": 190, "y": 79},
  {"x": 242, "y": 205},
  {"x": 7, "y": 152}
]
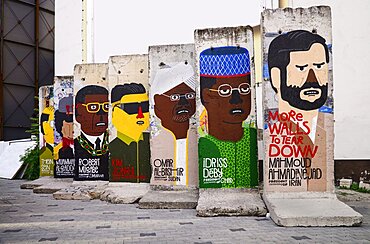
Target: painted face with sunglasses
[
  {"x": 93, "y": 114},
  {"x": 131, "y": 115},
  {"x": 175, "y": 107}
]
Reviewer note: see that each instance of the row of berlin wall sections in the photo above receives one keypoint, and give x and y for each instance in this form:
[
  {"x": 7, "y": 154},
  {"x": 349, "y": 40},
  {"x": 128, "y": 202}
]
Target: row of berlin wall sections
[{"x": 185, "y": 115}]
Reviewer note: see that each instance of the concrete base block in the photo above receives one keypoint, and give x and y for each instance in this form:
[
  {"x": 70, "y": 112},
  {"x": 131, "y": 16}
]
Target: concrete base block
[
  {"x": 230, "y": 202},
  {"x": 82, "y": 190},
  {"x": 36, "y": 183},
  {"x": 310, "y": 209},
  {"x": 346, "y": 195},
  {"x": 53, "y": 185},
  {"x": 124, "y": 193},
  {"x": 71, "y": 194},
  {"x": 365, "y": 185},
  {"x": 176, "y": 199}
]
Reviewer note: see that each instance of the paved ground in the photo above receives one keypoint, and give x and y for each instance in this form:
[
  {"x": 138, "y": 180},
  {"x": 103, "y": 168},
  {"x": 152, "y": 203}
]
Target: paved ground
[{"x": 27, "y": 217}]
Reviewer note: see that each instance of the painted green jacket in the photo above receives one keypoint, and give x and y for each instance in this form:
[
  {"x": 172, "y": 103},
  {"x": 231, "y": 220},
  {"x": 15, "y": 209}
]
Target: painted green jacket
[
  {"x": 239, "y": 170},
  {"x": 130, "y": 162}
]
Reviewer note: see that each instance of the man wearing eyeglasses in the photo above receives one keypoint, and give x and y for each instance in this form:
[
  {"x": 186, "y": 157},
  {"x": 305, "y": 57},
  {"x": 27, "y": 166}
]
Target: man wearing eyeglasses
[
  {"x": 227, "y": 151},
  {"x": 91, "y": 147},
  {"x": 174, "y": 104},
  {"x": 130, "y": 150}
]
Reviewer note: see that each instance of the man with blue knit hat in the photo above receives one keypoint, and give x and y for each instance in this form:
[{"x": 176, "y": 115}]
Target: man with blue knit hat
[{"x": 228, "y": 153}]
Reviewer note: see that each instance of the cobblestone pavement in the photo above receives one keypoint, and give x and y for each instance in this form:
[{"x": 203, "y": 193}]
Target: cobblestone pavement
[{"x": 26, "y": 217}]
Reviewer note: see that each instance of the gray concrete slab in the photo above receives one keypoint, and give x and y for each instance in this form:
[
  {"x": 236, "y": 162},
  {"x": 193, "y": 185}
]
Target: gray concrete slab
[
  {"x": 36, "y": 183},
  {"x": 82, "y": 190},
  {"x": 175, "y": 199},
  {"x": 230, "y": 202},
  {"x": 346, "y": 195},
  {"x": 124, "y": 193},
  {"x": 53, "y": 185},
  {"x": 310, "y": 209}
]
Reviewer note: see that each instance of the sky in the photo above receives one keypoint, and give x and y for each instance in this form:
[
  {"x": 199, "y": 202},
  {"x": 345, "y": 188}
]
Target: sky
[{"x": 129, "y": 27}]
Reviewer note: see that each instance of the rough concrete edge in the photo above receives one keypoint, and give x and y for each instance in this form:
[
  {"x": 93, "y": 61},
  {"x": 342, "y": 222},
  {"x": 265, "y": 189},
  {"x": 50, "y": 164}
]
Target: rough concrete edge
[
  {"x": 41, "y": 190},
  {"x": 144, "y": 204},
  {"x": 69, "y": 196},
  {"x": 324, "y": 222},
  {"x": 30, "y": 184},
  {"x": 92, "y": 191},
  {"x": 285, "y": 222},
  {"x": 167, "y": 205},
  {"x": 154, "y": 187},
  {"x": 214, "y": 212},
  {"x": 110, "y": 196},
  {"x": 300, "y": 195},
  {"x": 114, "y": 199}
]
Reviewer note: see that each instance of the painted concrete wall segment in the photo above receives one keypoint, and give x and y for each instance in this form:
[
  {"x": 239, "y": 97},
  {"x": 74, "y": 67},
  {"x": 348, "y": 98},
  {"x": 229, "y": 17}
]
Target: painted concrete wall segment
[
  {"x": 63, "y": 127},
  {"x": 172, "y": 108},
  {"x": 91, "y": 122},
  {"x": 226, "y": 108},
  {"x": 129, "y": 119},
  {"x": 46, "y": 111},
  {"x": 298, "y": 100}
]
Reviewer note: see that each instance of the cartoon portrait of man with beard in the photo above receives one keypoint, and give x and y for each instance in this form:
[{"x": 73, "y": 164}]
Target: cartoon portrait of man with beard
[
  {"x": 298, "y": 65},
  {"x": 173, "y": 95}
]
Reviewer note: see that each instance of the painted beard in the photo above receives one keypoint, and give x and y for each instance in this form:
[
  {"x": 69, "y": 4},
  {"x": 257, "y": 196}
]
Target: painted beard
[
  {"x": 292, "y": 95},
  {"x": 182, "y": 113}
]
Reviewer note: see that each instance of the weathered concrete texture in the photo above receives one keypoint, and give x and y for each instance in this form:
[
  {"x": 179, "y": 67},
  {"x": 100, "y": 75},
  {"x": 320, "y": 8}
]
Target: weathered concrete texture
[
  {"x": 53, "y": 185},
  {"x": 346, "y": 195},
  {"x": 170, "y": 67},
  {"x": 364, "y": 185},
  {"x": 230, "y": 202},
  {"x": 310, "y": 209},
  {"x": 82, "y": 190},
  {"x": 124, "y": 192},
  {"x": 36, "y": 183},
  {"x": 33, "y": 218},
  {"x": 314, "y": 20},
  {"x": 86, "y": 77},
  {"x": 177, "y": 199}
]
